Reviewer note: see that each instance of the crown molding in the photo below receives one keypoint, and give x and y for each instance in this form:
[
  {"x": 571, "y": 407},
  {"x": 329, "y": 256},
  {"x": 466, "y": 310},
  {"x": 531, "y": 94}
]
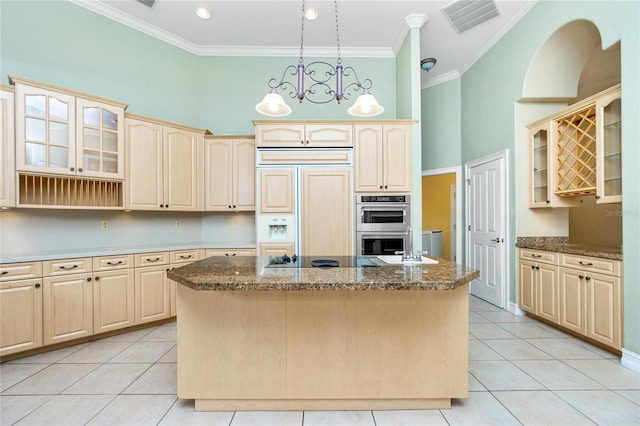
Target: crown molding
[{"x": 451, "y": 75}]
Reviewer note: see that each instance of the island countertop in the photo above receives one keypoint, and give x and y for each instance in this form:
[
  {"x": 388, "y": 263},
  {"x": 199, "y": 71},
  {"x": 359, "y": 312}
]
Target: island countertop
[{"x": 250, "y": 273}]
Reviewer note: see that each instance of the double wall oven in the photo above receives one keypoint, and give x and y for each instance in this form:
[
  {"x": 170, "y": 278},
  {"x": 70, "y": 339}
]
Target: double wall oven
[{"x": 382, "y": 222}]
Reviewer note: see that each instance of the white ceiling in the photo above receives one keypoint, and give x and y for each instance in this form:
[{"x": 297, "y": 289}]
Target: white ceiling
[{"x": 272, "y": 28}]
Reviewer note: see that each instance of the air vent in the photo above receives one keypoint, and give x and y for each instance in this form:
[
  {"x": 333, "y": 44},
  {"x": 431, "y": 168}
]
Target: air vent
[
  {"x": 147, "y": 2},
  {"x": 466, "y": 14}
]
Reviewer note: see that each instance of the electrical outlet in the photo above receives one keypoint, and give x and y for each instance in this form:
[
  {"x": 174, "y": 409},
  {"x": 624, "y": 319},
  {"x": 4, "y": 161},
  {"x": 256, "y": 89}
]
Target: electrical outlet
[
  {"x": 178, "y": 224},
  {"x": 230, "y": 224},
  {"x": 104, "y": 225}
]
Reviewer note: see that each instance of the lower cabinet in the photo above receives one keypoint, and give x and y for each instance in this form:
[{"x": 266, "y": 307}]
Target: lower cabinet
[
  {"x": 20, "y": 315},
  {"x": 178, "y": 259},
  {"x": 230, "y": 252},
  {"x": 152, "y": 294},
  {"x": 276, "y": 249},
  {"x": 113, "y": 300},
  {"x": 67, "y": 307}
]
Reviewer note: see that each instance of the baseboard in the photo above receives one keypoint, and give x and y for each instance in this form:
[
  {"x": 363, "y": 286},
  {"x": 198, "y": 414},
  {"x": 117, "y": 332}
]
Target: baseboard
[
  {"x": 514, "y": 309},
  {"x": 631, "y": 360}
]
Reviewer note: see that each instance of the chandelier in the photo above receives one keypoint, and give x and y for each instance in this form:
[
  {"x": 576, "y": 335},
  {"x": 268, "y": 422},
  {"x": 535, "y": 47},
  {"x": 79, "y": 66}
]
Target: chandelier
[{"x": 320, "y": 90}]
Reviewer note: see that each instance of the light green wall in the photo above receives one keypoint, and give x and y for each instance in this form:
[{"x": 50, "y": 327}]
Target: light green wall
[
  {"x": 441, "y": 125},
  {"x": 403, "y": 79}
]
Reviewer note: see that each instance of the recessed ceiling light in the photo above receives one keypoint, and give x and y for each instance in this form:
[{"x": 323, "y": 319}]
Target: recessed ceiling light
[
  {"x": 203, "y": 13},
  {"x": 311, "y": 14}
]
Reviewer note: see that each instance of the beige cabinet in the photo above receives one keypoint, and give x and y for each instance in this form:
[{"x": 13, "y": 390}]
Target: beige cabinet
[
  {"x": 113, "y": 293},
  {"x": 7, "y": 148},
  {"x": 382, "y": 158},
  {"x": 538, "y": 284},
  {"x": 60, "y": 131},
  {"x": 230, "y": 252},
  {"x": 67, "y": 300},
  {"x": 293, "y": 134},
  {"x": 230, "y": 165},
  {"x": 152, "y": 287},
  {"x": 164, "y": 168},
  {"x": 609, "y": 148},
  {"x": 178, "y": 259},
  {"x": 326, "y": 222},
  {"x": 20, "y": 315},
  {"x": 277, "y": 190},
  {"x": 276, "y": 249}
]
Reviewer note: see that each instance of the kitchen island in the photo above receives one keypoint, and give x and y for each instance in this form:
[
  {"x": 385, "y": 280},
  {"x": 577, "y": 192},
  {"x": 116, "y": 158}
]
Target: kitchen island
[{"x": 364, "y": 335}]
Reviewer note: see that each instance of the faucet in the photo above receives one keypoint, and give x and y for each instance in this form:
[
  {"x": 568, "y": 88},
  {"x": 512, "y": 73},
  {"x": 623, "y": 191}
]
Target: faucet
[{"x": 408, "y": 252}]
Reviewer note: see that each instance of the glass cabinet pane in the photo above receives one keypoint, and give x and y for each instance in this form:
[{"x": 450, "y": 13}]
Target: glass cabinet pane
[
  {"x": 58, "y": 156},
  {"x": 109, "y": 120},
  {"x": 91, "y": 161},
  {"x": 58, "y": 133},
  {"x": 91, "y": 139},
  {"x": 35, "y": 129},
  {"x": 92, "y": 117},
  {"x": 58, "y": 110},
  {"x": 540, "y": 166},
  {"x": 109, "y": 141},
  {"x": 35, "y": 154},
  {"x": 34, "y": 105},
  {"x": 110, "y": 163},
  {"x": 612, "y": 147}
]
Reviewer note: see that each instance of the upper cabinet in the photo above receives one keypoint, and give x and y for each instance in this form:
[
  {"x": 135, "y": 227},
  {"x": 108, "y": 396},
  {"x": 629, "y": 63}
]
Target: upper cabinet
[
  {"x": 382, "y": 158},
  {"x": 307, "y": 135},
  {"x": 577, "y": 152},
  {"x": 164, "y": 168},
  {"x": 7, "y": 145},
  {"x": 229, "y": 176},
  {"x": 67, "y": 133}
]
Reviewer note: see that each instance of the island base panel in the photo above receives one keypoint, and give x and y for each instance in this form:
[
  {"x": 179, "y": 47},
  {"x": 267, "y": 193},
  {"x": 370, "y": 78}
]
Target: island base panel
[{"x": 327, "y": 349}]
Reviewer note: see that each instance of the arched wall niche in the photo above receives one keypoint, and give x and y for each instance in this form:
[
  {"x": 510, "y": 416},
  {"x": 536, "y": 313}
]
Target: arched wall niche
[{"x": 554, "y": 72}]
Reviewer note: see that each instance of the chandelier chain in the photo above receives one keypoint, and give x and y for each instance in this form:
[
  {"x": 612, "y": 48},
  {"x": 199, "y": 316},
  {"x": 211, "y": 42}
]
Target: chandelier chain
[
  {"x": 300, "y": 60},
  {"x": 335, "y": 6}
]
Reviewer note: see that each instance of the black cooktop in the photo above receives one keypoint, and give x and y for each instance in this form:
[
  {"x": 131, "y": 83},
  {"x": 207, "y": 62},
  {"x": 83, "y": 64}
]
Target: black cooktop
[{"x": 320, "y": 262}]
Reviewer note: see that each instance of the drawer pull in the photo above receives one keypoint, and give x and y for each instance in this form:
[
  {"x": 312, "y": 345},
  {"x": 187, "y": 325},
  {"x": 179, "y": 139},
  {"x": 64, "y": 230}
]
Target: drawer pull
[
  {"x": 587, "y": 278},
  {"x": 585, "y": 264},
  {"x": 535, "y": 255},
  {"x": 186, "y": 257},
  {"x": 37, "y": 285},
  {"x": 581, "y": 276},
  {"x": 5, "y": 272},
  {"x": 152, "y": 260},
  {"x": 119, "y": 262},
  {"x": 69, "y": 267}
]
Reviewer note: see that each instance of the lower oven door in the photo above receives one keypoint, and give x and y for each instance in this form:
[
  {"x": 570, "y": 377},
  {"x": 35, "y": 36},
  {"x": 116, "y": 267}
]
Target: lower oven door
[{"x": 380, "y": 243}]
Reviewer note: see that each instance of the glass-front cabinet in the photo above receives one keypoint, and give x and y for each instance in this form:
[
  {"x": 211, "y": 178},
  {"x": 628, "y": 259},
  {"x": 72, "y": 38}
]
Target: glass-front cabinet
[{"x": 609, "y": 148}]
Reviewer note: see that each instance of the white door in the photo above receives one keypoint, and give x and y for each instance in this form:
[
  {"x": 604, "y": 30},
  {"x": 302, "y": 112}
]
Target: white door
[{"x": 486, "y": 203}]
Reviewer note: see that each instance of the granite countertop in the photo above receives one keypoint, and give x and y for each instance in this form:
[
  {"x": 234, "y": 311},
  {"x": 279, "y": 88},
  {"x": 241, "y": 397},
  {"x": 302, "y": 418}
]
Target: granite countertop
[
  {"x": 562, "y": 245},
  {"x": 249, "y": 273}
]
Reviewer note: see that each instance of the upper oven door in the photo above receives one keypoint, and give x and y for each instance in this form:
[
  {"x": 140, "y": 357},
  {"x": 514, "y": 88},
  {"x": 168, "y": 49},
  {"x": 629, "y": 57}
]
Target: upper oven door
[{"x": 383, "y": 218}]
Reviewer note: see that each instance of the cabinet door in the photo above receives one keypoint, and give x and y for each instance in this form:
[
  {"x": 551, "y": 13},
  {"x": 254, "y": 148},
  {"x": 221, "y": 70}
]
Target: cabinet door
[
  {"x": 182, "y": 154},
  {"x": 527, "y": 286},
  {"x": 397, "y": 158},
  {"x": 100, "y": 151},
  {"x": 604, "y": 309},
  {"x": 219, "y": 163},
  {"x": 280, "y": 135},
  {"x": 20, "y": 316},
  {"x": 113, "y": 300},
  {"x": 609, "y": 149},
  {"x": 230, "y": 252},
  {"x": 368, "y": 158},
  {"x": 547, "y": 292},
  {"x": 276, "y": 249},
  {"x": 328, "y": 135},
  {"x": 152, "y": 294},
  {"x": 45, "y": 131},
  {"x": 539, "y": 166},
  {"x": 276, "y": 190},
  {"x": 244, "y": 175},
  {"x": 67, "y": 307},
  {"x": 572, "y": 312},
  {"x": 144, "y": 165},
  {"x": 326, "y": 222},
  {"x": 7, "y": 150}
]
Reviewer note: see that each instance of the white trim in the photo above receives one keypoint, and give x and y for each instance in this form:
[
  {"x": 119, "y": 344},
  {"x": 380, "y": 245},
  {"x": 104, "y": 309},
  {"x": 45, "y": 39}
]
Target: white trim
[
  {"x": 631, "y": 360},
  {"x": 515, "y": 309},
  {"x": 451, "y": 75},
  {"x": 416, "y": 20},
  {"x": 458, "y": 171},
  {"x": 504, "y": 156}
]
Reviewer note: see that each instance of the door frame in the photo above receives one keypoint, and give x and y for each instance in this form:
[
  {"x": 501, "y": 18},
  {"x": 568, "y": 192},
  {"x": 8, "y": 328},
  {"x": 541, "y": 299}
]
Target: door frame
[
  {"x": 504, "y": 156},
  {"x": 458, "y": 172}
]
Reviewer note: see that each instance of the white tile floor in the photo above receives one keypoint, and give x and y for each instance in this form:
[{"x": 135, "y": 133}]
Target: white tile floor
[{"x": 521, "y": 372}]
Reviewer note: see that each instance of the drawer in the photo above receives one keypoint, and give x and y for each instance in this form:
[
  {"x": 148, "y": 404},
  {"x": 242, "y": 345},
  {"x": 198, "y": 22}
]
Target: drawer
[
  {"x": 152, "y": 259},
  {"x": 230, "y": 252},
  {"x": 78, "y": 265},
  {"x": 109, "y": 263},
  {"x": 185, "y": 256},
  {"x": 20, "y": 271},
  {"x": 539, "y": 255},
  {"x": 593, "y": 264}
]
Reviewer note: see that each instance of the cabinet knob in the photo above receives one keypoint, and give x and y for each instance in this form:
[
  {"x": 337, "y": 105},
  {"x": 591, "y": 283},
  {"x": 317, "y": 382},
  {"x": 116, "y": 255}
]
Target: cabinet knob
[
  {"x": 301, "y": 142},
  {"x": 89, "y": 279},
  {"x": 72, "y": 169},
  {"x": 380, "y": 186},
  {"x": 587, "y": 278},
  {"x": 97, "y": 278},
  {"x": 538, "y": 268},
  {"x": 581, "y": 276},
  {"x": 597, "y": 197},
  {"x": 533, "y": 267},
  {"x": 37, "y": 285},
  {"x": 166, "y": 206},
  {"x": 385, "y": 187},
  {"x": 234, "y": 206},
  {"x": 80, "y": 170},
  {"x": 229, "y": 206},
  {"x": 160, "y": 205},
  {"x": 548, "y": 201}
]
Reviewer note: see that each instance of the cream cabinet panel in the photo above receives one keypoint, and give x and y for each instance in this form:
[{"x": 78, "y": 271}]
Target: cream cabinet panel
[
  {"x": 276, "y": 190},
  {"x": 538, "y": 289},
  {"x": 109, "y": 263},
  {"x": 7, "y": 149},
  {"x": 326, "y": 222},
  {"x": 20, "y": 315},
  {"x": 182, "y": 169},
  {"x": 20, "y": 271},
  {"x": 152, "y": 259},
  {"x": 67, "y": 266},
  {"x": 144, "y": 165},
  {"x": 527, "y": 288},
  {"x": 328, "y": 135},
  {"x": 152, "y": 294},
  {"x": 280, "y": 135},
  {"x": 573, "y": 306},
  {"x": 276, "y": 249},
  {"x": 290, "y": 135},
  {"x": 230, "y": 174},
  {"x": 230, "y": 252},
  {"x": 604, "y": 307},
  {"x": 382, "y": 158},
  {"x": 67, "y": 307},
  {"x": 113, "y": 300},
  {"x": 609, "y": 148}
]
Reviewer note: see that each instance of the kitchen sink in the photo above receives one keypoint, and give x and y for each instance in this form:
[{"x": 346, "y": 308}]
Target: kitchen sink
[{"x": 397, "y": 260}]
